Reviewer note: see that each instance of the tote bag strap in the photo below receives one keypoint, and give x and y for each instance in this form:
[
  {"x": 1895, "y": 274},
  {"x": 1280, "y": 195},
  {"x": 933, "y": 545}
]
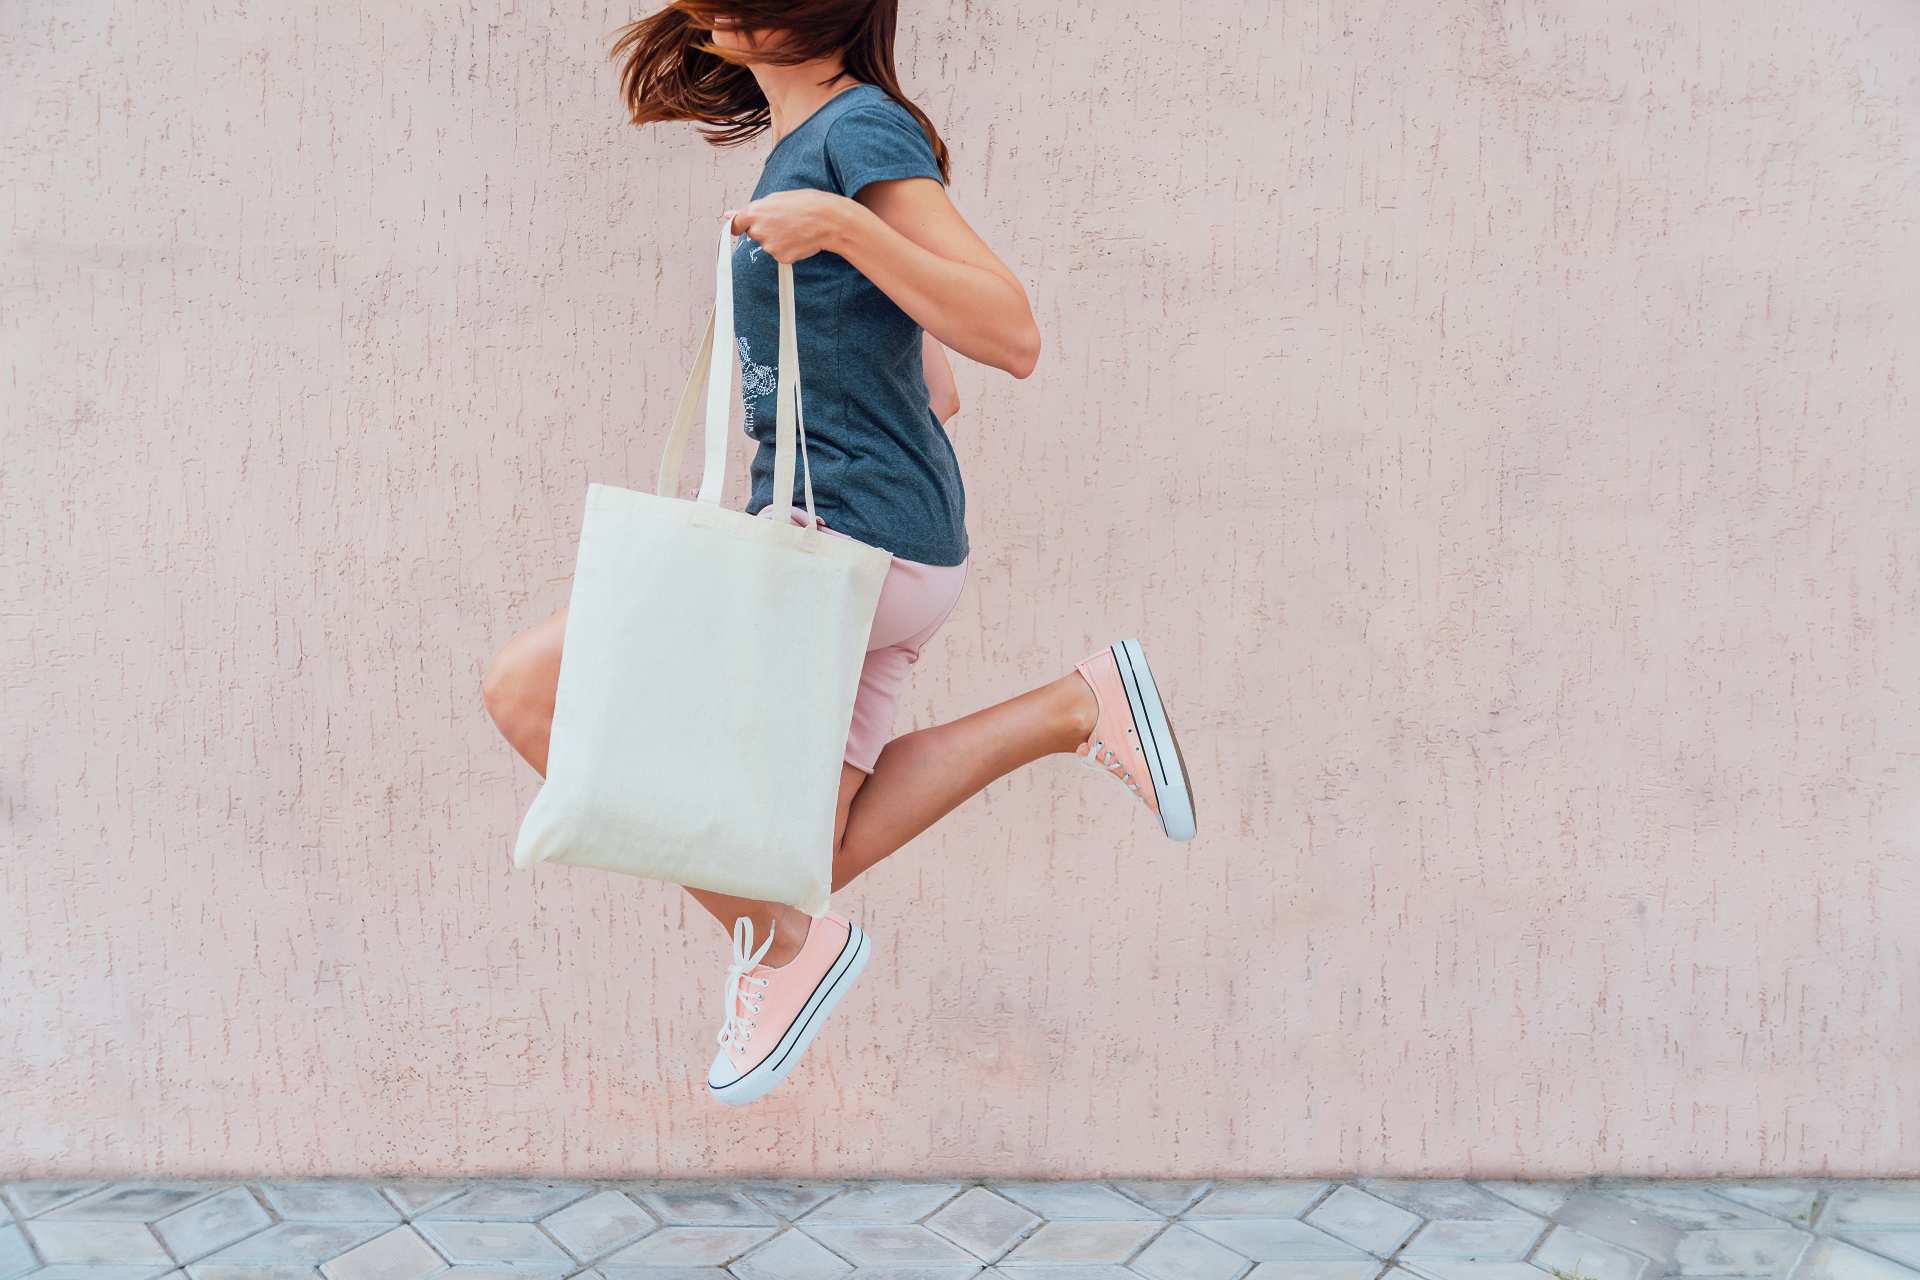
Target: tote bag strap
[
  {"x": 716, "y": 377},
  {"x": 787, "y": 420}
]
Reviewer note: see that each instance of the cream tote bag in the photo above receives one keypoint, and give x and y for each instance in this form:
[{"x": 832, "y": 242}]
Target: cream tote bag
[{"x": 710, "y": 663}]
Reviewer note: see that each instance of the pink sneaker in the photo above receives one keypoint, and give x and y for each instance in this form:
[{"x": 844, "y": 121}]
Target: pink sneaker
[
  {"x": 774, "y": 1014},
  {"x": 1132, "y": 739}
]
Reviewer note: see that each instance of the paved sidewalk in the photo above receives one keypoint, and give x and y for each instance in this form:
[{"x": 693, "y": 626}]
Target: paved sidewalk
[{"x": 1370, "y": 1230}]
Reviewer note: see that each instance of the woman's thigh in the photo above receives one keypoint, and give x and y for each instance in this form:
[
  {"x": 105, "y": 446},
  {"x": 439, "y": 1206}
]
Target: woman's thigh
[{"x": 520, "y": 684}]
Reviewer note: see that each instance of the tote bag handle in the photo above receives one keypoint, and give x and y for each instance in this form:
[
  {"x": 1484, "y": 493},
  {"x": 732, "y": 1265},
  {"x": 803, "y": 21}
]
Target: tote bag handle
[{"x": 717, "y": 377}]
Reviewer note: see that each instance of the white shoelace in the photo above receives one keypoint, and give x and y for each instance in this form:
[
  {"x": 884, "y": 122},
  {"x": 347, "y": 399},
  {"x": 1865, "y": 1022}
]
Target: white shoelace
[
  {"x": 1098, "y": 757},
  {"x": 738, "y": 1029}
]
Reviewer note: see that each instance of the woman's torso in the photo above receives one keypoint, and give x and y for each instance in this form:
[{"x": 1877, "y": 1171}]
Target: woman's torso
[{"x": 883, "y": 468}]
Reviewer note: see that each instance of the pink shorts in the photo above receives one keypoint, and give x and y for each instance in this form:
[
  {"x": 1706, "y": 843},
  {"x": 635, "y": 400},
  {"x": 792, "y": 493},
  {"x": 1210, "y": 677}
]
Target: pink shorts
[{"x": 915, "y": 600}]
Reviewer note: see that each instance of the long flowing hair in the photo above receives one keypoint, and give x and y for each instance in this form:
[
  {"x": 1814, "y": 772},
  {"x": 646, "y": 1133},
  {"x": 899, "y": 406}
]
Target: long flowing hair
[{"x": 672, "y": 70}]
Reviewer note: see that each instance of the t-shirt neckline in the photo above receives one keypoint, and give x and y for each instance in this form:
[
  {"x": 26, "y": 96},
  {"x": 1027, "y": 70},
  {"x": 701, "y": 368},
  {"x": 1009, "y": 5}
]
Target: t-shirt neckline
[{"x": 815, "y": 114}]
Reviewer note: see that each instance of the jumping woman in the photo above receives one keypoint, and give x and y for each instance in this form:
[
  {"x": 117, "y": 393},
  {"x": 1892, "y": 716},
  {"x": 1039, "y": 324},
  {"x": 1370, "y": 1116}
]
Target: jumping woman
[{"x": 888, "y": 276}]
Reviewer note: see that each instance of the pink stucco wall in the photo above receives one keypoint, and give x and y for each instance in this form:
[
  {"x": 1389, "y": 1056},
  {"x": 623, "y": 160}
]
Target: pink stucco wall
[{"x": 1499, "y": 417}]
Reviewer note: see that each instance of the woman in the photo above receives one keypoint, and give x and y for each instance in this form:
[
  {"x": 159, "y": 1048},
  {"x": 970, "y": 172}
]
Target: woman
[{"x": 886, "y": 274}]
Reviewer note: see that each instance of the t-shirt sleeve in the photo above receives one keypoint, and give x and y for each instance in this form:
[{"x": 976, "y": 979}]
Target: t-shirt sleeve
[{"x": 872, "y": 144}]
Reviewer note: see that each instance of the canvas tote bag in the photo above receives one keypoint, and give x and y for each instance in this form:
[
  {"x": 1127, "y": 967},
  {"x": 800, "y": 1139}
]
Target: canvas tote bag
[{"x": 710, "y": 663}]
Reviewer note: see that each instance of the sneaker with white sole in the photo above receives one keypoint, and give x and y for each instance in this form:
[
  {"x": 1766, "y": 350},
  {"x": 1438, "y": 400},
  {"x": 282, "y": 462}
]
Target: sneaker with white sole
[
  {"x": 1132, "y": 739},
  {"x": 774, "y": 1014}
]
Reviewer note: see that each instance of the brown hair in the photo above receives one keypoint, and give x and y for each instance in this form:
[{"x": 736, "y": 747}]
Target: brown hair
[{"x": 674, "y": 72}]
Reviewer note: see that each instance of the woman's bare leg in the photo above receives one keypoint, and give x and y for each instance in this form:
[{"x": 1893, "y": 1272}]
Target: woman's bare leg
[
  {"x": 519, "y": 685},
  {"x": 919, "y": 778},
  {"x": 923, "y": 776}
]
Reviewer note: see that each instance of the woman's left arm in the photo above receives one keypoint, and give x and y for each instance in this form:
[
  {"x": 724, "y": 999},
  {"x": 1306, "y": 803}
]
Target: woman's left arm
[{"x": 905, "y": 235}]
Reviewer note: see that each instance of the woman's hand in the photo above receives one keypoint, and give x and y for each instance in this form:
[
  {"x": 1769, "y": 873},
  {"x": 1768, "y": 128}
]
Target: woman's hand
[{"x": 791, "y": 225}]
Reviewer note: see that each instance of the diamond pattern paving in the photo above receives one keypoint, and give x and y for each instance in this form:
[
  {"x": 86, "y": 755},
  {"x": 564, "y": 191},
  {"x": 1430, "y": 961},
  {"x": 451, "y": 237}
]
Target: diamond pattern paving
[
  {"x": 983, "y": 1223},
  {"x": 802, "y": 1229}
]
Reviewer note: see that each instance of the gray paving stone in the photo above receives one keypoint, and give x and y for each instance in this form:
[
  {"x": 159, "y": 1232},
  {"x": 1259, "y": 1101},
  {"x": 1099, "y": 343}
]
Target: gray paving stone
[
  {"x": 400, "y": 1254},
  {"x": 599, "y": 1224},
  {"x": 661, "y": 1273},
  {"x": 1163, "y": 1197},
  {"x": 1791, "y": 1201},
  {"x": 1442, "y": 1230},
  {"x": 508, "y": 1202},
  {"x": 329, "y": 1202},
  {"x": 1586, "y": 1257},
  {"x": 16, "y": 1254},
  {"x": 504, "y": 1243},
  {"x": 931, "y": 1272},
  {"x": 1276, "y": 1240},
  {"x": 219, "y": 1220},
  {"x": 30, "y": 1198},
  {"x": 689, "y": 1247},
  {"x": 873, "y": 1244},
  {"x": 417, "y": 1195},
  {"x": 1083, "y": 1242},
  {"x": 1901, "y": 1246},
  {"x": 1259, "y": 1200},
  {"x": 1890, "y": 1204},
  {"x": 1542, "y": 1198},
  {"x": 1052, "y": 1271},
  {"x": 1689, "y": 1209},
  {"x": 1456, "y": 1270},
  {"x": 885, "y": 1203},
  {"x": 1771, "y": 1253},
  {"x": 1622, "y": 1222},
  {"x": 791, "y": 1255},
  {"x": 1364, "y": 1221},
  {"x": 1448, "y": 1200},
  {"x": 982, "y": 1223},
  {"x": 1479, "y": 1240},
  {"x": 299, "y": 1243},
  {"x": 702, "y": 1206},
  {"x": 134, "y": 1201},
  {"x": 1063, "y": 1201},
  {"x": 792, "y": 1200},
  {"x": 97, "y": 1243},
  {"x": 1180, "y": 1253},
  {"x": 1837, "y": 1260}
]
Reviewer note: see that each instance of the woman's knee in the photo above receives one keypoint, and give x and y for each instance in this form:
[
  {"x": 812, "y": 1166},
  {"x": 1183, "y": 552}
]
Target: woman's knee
[
  {"x": 850, "y": 859},
  {"x": 519, "y": 680},
  {"x": 500, "y": 686}
]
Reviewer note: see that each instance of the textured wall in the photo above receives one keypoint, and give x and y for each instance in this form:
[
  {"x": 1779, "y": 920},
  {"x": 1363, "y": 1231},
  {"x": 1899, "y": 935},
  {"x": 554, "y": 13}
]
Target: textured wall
[{"x": 1498, "y": 417}]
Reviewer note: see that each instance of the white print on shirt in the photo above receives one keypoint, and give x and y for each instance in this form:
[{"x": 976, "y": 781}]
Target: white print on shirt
[{"x": 756, "y": 380}]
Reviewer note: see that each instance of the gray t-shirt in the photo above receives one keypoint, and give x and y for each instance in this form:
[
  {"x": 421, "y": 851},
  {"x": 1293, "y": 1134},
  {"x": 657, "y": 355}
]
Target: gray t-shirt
[{"x": 883, "y": 469}]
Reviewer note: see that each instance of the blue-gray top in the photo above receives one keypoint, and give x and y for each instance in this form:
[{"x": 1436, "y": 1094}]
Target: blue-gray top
[{"x": 883, "y": 469}]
